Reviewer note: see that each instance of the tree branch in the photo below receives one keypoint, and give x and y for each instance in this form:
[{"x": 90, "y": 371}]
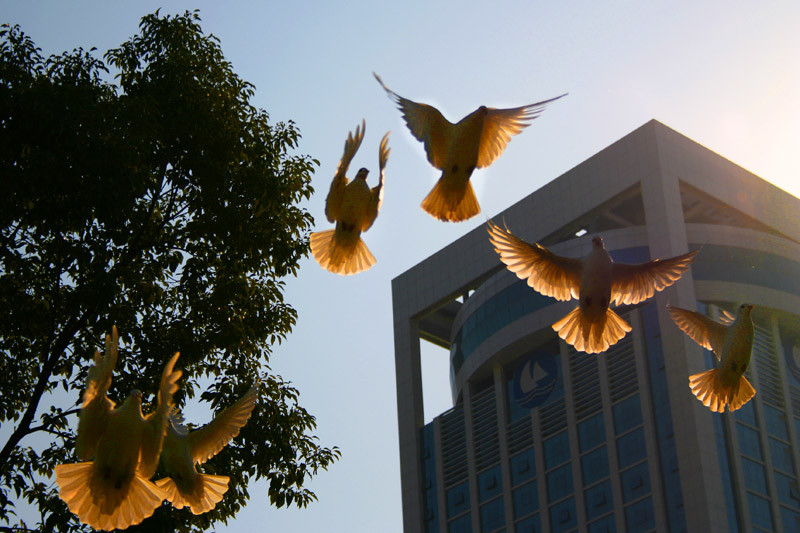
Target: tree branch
[
  {"x": 46, "y": 427},
  {"x": 23, "y": 429}
]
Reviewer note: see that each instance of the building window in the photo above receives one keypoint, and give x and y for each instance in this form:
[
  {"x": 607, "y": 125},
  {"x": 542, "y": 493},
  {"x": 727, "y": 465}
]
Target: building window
[
  {"x": 592, "y": 432},
  {"x": 776, "y": 422},
  {"x": 489, "y": 484},
  {"x": 462, "y": 524},
  {"x": 563, "y": 516},
  {"x": 787, "y": 491},
  {"x": 791, "y": 519},
  {"x": 493, "y": 515},
  {"x": 598, "y": 500},
  {"x": 595, "y": 466},
  {"x": 781, "y": 456},
  {"x": 639, "y": 516},
  {"x": 748, "y": 441},
  {"x": 760, "y": 514},
  {"x": 559, "y": 483},
  {"x": 532, "y": 524},
  {"x": 458, "y": 499},
  {"x": 526, "y": 499},
  {"x": 430, "y": 511},
  {"x": 635, "y": 482},
  {"x": 556, "y": 450},
  {"x": 754, "y": 477},
  {"x": 631, "y": 448},
  {"x": 747, "y": 414},
  {"x": 523, "y": 466},
  {"x": 607, "y": 524},
  {"x": 627, "y": 414}
]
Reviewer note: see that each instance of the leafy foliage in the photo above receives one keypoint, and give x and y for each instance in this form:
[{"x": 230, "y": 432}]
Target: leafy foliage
[{"x": 162, "y": 202}]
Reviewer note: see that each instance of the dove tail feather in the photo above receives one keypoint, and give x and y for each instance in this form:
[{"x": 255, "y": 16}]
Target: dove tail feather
[
  {"x": 208, "y": 492},
  {"x": 591, "y": 336},
  {"x": 341, "y": 253},
  {"x": 711, "y": 389},
  {"x": 104, "y": 507},
  {"x": 451, "y": 202}
]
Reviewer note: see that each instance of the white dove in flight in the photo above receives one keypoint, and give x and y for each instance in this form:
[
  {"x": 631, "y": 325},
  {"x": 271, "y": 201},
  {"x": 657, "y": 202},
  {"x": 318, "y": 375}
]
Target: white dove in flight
[
  {"x": 457, "y": 149},
  {"x": 183, "y": 449},
  {"x": 113, "y": 490},
  {"x": 353, "y": 206},
  {"x": 596, "y": 280},
  {"x": 732, "y": 343}
]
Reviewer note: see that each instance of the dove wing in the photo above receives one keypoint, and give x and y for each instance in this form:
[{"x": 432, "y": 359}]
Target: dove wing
[
  {"x": 207, "y": 441},
  {"x": 333, "y": 202},
  {"x": 426, "y": 123},
  {"x": 96, "y": 405},
  {"x": 500, "y": 125},
  {"x": 548, "y": 273},
  {"x": 631, "y": 284},
  {"x": 156, "y": 422},
  {"x": 704, "y": 331},
  {"x": 376, "y": 194}
]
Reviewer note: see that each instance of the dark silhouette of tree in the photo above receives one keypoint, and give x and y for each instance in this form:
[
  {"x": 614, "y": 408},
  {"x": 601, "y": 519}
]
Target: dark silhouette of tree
[{"x": 143, "y": 190}]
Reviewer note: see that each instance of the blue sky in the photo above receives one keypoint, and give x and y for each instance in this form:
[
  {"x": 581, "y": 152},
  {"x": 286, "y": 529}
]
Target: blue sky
[{"x": 722, "y": 73}]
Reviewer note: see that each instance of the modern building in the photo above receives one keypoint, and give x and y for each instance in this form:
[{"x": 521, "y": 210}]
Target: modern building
[{"x": 542, "y": 438}]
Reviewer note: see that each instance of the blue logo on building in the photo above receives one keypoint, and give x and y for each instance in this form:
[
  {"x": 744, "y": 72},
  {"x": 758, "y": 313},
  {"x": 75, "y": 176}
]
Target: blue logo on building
[{"x": 535, "y": 379}]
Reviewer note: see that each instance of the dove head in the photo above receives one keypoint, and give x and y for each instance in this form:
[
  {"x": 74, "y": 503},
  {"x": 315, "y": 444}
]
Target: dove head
[
  {"x": 362, "y": 174},
  {"x": 597, "y": 242},
  {"x": 745, "y": 309},
  {"x": 133, "y": 401}
]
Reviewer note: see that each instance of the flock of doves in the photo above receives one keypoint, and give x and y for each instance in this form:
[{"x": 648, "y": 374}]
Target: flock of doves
[
  {"x": 596, "y": 280},
  {"x": 121, "y": 448}
]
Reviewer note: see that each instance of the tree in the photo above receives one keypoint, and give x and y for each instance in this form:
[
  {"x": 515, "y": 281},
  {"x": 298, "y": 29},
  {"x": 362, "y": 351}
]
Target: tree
[{"x": 160, "y": 200}]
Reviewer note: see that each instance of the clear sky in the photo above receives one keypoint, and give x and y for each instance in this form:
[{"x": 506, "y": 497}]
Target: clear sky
[{"x": 724, "y": 73}]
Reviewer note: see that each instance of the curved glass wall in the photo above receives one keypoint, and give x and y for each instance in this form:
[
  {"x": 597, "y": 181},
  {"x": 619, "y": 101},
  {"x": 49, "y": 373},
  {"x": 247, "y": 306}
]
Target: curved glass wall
[
  {"x": 713, "y": 263},
  {"x": 510, "y": 304}
]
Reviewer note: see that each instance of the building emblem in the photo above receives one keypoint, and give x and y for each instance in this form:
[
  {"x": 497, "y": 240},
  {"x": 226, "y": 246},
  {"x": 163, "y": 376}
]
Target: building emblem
[{"x": 535, "y": 379}]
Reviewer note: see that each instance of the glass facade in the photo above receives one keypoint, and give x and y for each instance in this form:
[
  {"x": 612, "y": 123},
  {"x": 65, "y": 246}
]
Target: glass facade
[
  {"x": 509, "y": 304},
  {"x": 662, "y": 417},
  {"x": 578, "y": 460},
  {"x": 742, "y": 265}
]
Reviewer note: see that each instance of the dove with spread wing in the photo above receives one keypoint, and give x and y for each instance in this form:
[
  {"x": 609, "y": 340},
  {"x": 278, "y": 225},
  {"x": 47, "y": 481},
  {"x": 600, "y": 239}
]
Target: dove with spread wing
[
  {"x": 112, "y": 490},
  {"x": 458, "y": 149},
  {"x": 353, "y": 206},
  {"x": 596, "y": 280},
  {"x": 183, "y": 449},
  {"x": 732, "y": 343}
]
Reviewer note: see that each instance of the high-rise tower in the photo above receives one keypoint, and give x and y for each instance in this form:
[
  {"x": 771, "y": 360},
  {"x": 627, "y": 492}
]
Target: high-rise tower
[{"x": 542, "y": 438}]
